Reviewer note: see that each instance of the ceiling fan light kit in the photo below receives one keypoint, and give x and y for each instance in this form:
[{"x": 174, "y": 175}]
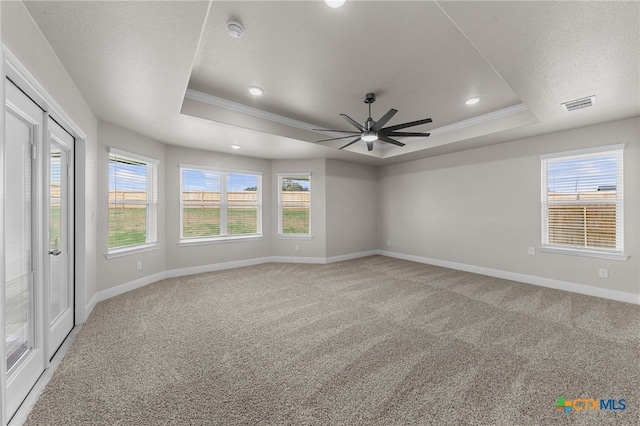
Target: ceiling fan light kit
[
  {"x": 369, "y": 136},
  {"x": 373, "y": 131}
]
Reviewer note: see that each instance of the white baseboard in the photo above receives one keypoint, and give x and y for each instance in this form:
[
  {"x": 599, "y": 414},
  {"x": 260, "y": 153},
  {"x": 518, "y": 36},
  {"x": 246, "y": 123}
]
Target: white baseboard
[
  {"x": 89, "y": 308},
  {"x": 513, "y": 276},
  {"x": 350, "y": 256},
  {"x": 323, "y": 260},
  {"x": 141, "y": 282},
  {"x": 620, "y": 296},
  {"x": 132, "y": 285},
  {"x": 215, "y": 267},
  {"x": 294, "y": 259}
]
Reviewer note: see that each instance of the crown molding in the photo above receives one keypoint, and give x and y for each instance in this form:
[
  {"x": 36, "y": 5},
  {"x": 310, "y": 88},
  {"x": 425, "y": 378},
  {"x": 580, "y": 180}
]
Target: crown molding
[{"x": 265, "y": 115}]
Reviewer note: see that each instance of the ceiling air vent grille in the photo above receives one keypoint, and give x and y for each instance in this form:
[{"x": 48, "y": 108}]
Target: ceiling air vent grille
[{"x": 579, "y": 103}]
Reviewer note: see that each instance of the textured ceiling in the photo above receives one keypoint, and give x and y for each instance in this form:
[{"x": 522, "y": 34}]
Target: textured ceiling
[
  {"x": 134, "y": 61},
  {"x": 314, "y": 62}
]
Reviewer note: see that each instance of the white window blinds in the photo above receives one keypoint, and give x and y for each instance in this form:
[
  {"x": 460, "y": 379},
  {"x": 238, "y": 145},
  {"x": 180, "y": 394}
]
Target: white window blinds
[
  {"x": 582, "y": 201},
  {"x": 133, "y": 200}
]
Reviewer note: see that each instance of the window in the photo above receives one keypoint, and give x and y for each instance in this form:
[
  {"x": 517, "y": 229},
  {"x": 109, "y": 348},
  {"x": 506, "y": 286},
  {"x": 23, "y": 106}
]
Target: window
[
  {"x": 294, "y": 205},
  {"x": 582, "y": 201},
  {"x": 217, "y": 204},
  {"x": 133, "y": 201}
]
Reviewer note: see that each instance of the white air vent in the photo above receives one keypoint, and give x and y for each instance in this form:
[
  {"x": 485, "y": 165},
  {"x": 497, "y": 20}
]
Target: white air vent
[{"x": 579, "y": 103}]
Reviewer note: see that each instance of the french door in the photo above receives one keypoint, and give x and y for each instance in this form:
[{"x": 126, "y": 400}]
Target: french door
[
  {"x": 23, "y": 285},
  {"x": 60, "y": 251},
  {"x": 38, "y": 242}
]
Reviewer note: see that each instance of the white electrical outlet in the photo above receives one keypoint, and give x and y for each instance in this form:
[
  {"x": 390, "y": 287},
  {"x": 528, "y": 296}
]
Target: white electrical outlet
[
  {"x": 296, "y": 247},
  {"x": 388, "y": 243},
  {"x": 139, "y": 266},
  {"x": 603, "y": 273},
  {"x": 531, "y": 250}
]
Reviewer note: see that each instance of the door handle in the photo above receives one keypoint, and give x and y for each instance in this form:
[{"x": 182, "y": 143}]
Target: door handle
[{"x": 55, "y": 252}]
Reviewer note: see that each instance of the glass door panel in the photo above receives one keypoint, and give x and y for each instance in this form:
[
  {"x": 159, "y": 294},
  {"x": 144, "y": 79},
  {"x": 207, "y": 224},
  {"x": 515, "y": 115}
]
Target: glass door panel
[
  {"x": 18, "y": 241},
  {"x": 57, "y": 295}
]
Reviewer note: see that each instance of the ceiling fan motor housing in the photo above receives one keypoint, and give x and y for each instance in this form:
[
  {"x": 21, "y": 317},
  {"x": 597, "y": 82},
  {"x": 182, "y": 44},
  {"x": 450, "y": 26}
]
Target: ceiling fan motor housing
[{"x": 369, "y": 123}]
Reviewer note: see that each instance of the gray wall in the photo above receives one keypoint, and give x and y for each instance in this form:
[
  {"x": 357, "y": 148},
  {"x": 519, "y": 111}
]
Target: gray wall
[
  {"x": 171, "y": 256},
  {"x": 482, "y": 207},
  {"x": 24, "y": 39},
  {"x": 478, "y": 207},
  {"x": 351, "y": 208},
  {"x": 120, "y": 270},
  {"x": 220, "y": 252}
]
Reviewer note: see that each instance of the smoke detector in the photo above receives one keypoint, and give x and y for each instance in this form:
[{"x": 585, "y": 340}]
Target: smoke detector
[
  {"x": 235, "y": 29},
  {"x": 579, "y": 103}
]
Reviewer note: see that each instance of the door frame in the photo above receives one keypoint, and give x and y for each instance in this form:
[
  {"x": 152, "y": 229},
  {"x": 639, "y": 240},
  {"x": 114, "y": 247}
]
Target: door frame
[
  {"x": 10, "y": 67},
  {"x": 3, "y": 355}
]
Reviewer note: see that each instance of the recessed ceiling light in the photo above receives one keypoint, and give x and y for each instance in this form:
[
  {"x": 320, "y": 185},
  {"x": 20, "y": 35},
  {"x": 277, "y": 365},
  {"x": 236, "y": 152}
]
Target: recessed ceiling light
[
  {"x": 235, "y": 146},
  {"x": 334, "y": 3},
  {"x": 472, "y": 101},
  {"x": 255, "y": 90}
]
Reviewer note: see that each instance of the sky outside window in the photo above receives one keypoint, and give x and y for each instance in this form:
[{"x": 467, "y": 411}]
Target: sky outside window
[
  {"x": 127, "y": 176},
  {"x": 582, "y": 174}
]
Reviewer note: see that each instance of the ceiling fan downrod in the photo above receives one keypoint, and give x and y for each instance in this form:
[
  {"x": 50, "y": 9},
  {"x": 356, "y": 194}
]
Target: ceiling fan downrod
[{"x": 369, "y": 99}]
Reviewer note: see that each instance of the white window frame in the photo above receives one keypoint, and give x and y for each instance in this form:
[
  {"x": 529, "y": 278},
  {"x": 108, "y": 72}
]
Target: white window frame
[
  {"x": 224, "y": 206},
  {"x": 281, "y": 234},
  {"x": 151, "y": 202},
  {"x": 613, "y": 254}
]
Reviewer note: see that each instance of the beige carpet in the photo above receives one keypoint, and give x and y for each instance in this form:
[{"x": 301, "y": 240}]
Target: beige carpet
[{"x": 373, "y": 341}]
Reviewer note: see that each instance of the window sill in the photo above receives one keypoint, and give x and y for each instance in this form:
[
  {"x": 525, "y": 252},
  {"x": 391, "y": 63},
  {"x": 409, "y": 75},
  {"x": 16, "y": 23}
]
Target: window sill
[
  {"x": 217, "y": 240},
  {"x": 131, "y": 250},
  {"x": 583, "y": 253},
  {"x": 295, "y": 237}
]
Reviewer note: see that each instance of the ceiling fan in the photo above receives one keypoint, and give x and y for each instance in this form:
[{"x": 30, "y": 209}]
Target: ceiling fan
[{"x": 373, "y": 131}]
